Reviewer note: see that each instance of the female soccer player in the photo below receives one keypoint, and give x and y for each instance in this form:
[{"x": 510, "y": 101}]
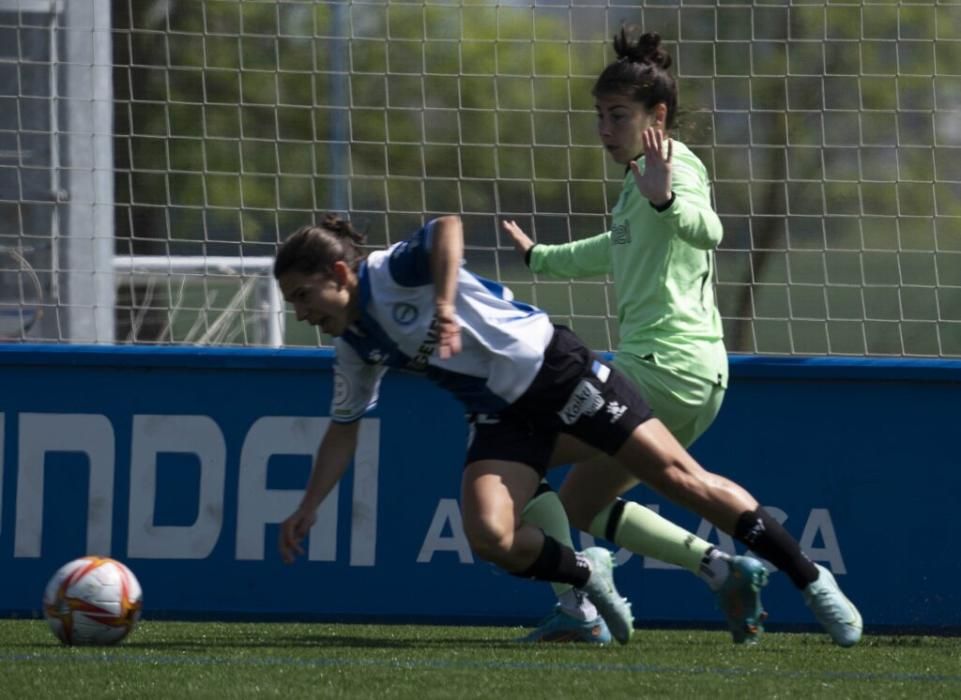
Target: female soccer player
[
  {"x": 536, "y": 396},
  {"x": 659, "y": 251}
]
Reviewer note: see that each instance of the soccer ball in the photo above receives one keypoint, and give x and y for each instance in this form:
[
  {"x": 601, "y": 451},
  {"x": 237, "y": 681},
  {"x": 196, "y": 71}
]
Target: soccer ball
[{"x": 92, "y": 600}]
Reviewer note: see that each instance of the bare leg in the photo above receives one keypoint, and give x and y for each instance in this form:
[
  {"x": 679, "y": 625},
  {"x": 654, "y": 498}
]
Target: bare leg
[
  {"x": 493, "y": 494},
  {"x": 591, "y": 500},
  {"x": 654, "y": 456},
  {"x": 591, "y": 486}
]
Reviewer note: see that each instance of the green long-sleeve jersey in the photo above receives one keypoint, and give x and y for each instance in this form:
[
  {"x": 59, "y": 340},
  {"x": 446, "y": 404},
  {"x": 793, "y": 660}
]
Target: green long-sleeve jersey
[{"x": 662, "y": 264}]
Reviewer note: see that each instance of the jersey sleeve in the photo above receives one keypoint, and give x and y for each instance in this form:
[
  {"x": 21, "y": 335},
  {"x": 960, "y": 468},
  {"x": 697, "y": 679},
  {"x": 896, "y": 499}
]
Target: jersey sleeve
[
  {"x": 588, "y": 257},
  {"x": 691, "y": 216},
  {"x": 356, "y": 385},
  {"x": 409, "y": 260}
]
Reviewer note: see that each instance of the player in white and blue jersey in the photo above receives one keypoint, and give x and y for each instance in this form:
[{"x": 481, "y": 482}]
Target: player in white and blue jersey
[
  {"x": 502, "y": 341},
  {"x": 537, "y": 398}
]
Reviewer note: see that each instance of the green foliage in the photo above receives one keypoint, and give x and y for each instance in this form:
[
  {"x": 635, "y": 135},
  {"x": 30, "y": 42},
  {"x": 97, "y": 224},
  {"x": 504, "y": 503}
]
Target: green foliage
[
  {"x": 252, "y": 96},
  {"x": 237, "y": 121}
]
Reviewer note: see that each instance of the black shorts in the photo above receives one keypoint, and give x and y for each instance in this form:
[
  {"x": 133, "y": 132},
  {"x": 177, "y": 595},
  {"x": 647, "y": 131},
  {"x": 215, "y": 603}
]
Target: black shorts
[{"x": 575, "y": 392}]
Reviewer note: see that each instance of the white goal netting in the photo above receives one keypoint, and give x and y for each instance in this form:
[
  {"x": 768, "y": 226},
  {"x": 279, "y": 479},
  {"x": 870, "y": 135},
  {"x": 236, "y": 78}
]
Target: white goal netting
[{"x": 153, "y": 152}]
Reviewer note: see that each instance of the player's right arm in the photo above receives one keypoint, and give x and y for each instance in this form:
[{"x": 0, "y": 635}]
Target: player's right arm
[
  {"x": 356, "y": 386},
  {"x": 588, "y": 257},
  {"x": 446, "y": 255},
  {"x": 331, "y": 461}
]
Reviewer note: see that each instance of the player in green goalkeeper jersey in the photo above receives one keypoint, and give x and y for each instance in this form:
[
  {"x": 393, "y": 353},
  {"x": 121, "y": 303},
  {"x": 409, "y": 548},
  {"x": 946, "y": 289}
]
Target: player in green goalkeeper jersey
[{"x": 659, "y": 251}]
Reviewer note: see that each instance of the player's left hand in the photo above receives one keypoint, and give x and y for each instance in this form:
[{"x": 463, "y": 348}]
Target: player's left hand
[
  {"x": 521, "y": 240},
  {"x": 655, "y": 182},
  {"x": 448, "y": 331}
]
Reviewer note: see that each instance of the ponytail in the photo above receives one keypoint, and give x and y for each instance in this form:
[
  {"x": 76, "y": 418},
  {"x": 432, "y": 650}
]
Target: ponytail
[{"x": 312, "y": 249}]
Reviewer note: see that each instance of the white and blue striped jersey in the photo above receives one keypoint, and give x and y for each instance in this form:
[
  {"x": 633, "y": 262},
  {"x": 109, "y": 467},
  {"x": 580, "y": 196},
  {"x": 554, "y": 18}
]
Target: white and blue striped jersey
[{"x": 502, "y": 340}]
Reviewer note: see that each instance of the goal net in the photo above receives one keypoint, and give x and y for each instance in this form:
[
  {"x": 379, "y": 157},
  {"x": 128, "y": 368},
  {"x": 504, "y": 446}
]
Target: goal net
[
  {"x": 831, "y": 132},
  {"x": 208, "y": 300}
]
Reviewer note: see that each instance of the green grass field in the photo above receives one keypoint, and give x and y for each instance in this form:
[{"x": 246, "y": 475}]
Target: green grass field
[{"x": 240, "y": 660}]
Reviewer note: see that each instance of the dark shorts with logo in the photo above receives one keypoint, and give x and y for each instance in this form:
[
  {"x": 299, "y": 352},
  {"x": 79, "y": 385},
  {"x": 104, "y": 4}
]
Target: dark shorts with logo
[{"x": 575, "y": 392}]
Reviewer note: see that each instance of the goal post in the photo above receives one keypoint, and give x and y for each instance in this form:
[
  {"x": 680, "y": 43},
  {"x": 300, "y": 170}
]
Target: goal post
[{"x": 56, "y": 170}]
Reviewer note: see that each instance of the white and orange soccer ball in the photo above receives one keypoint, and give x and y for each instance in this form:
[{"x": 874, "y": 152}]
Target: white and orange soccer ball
[{"x": 92, "y": 600}]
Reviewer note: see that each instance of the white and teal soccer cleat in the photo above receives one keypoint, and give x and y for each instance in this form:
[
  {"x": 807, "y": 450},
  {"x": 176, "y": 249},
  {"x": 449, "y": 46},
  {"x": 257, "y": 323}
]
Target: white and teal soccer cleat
[
  {"x": 600, "y": 590},
  {"x": 562, "y": 627},
  {"x": 739, "y": 597},
  {"x": 833, "y": 610}
]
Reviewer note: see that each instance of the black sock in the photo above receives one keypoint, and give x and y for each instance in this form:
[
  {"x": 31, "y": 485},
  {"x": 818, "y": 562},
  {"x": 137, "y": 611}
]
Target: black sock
[
  {"x": 765, "y": 536},
  {"x": 542, "y": 488},
  {"x": 557, "y": 563},
  {"x": 614, "y": 519}
]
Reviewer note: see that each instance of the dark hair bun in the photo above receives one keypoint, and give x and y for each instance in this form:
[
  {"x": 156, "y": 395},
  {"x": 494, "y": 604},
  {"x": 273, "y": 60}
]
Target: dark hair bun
[
  {"x": 342, "y": 228},
  {"x": 632, "y": 45}
]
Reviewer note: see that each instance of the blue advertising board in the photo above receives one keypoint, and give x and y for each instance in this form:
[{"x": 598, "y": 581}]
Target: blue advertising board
[{"x": 181, "y": 462}]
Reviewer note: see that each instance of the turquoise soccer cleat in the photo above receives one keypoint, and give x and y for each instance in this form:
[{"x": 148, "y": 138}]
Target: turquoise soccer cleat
[
  {"x": 600, "y": 590},
  {"x": 833, "y": 610},
  {"x": 562, "y": 627},
  {"x": 740, "y": 599}
]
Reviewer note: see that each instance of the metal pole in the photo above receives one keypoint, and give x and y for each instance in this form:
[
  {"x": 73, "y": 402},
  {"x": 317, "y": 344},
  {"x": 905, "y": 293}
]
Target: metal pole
[
  {"x": 340, "y": 101},
  {"x": 88, "y": 106}
]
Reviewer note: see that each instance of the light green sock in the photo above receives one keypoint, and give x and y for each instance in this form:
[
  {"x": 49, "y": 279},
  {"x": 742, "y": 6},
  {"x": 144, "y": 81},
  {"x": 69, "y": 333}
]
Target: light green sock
[
  {"x": 546, "y": 512},
  {"x": 643, "y": 531}
]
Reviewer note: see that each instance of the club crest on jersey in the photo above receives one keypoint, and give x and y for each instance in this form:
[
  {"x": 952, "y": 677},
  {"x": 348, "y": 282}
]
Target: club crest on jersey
[
  {"x": 585, "y": 400},
  {"x": 405, "y": 314},
  {"x": 621, "y": 233}
]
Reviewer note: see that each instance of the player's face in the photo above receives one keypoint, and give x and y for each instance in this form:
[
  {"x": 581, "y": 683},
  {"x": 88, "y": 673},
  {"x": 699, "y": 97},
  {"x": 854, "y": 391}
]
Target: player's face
[
  {"x": 324, "y": 300},
  {"x": 620, "y": 124}
]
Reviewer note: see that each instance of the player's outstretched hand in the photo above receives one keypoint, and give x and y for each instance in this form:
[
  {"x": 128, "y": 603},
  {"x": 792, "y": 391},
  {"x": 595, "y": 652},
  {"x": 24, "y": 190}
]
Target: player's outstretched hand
[
  {"x": 292, "y": 533},
  {"x": 448, "y": 332},
  {"x": 655, "y": 182},
  {"x": 521, "y": 240}
]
